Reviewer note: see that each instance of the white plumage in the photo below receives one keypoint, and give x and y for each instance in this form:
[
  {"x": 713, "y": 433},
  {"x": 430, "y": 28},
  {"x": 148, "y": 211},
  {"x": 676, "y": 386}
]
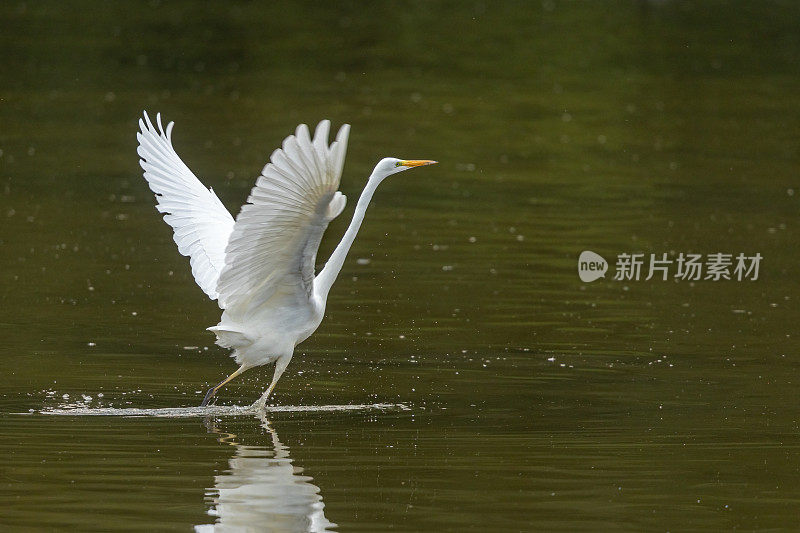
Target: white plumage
[
  {"x": 261, "y": 267},
  {"x": 202, "y": 224},
  {"x": 276, "y": 236}
]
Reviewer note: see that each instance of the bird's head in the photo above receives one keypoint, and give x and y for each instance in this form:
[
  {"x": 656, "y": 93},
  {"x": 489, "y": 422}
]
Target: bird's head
[{"x": 391, "y": 165}]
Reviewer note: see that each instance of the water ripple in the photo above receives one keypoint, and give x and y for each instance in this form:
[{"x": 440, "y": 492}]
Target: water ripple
[{"x": 217, "y": 410}]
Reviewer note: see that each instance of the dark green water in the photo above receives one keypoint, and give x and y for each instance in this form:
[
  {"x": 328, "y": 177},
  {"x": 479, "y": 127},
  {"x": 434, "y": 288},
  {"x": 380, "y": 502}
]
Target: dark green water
[{"x": 537, "y": 402}]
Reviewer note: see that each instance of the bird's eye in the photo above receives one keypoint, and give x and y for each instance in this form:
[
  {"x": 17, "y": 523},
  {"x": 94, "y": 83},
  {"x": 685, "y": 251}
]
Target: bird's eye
[{"x": 399, "y": 163}]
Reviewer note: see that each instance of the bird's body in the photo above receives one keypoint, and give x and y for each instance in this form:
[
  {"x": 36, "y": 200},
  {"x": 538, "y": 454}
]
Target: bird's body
[{"x": 261, "y": 266}]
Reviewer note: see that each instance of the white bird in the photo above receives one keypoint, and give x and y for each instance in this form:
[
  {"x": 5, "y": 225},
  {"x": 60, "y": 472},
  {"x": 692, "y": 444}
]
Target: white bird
[{"x": 261, "y": 267}]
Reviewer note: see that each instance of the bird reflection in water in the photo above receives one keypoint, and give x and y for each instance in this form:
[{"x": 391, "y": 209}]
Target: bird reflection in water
[{"x": 263, "y": 491}]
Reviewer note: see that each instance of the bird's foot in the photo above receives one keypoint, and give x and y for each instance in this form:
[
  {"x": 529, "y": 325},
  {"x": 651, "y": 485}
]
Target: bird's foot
[
  {"x": 209, "y": 395},
  {"x": 261, "y": 403}
]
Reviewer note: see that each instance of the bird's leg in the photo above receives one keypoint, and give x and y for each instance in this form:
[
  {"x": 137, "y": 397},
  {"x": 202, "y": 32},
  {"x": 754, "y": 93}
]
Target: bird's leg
[
  {"x": 280, "y": 366},
  {"x": 213, "y": 390}
]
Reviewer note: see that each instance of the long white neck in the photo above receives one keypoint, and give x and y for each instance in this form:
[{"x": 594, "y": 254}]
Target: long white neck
[{"x": 325, "y": 279}]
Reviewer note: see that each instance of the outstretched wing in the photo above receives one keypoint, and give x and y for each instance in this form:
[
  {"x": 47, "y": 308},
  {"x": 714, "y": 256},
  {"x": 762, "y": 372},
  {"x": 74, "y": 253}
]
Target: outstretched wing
[
  {"x": 202, "y": 224},
  {"x": 275, "y": 240}
]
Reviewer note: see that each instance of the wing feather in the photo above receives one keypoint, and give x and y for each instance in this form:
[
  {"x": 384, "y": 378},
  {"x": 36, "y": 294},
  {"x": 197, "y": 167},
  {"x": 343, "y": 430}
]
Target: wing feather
[
  {"x": 200, "y": 222},
  {"x": 275, "y": 239}
]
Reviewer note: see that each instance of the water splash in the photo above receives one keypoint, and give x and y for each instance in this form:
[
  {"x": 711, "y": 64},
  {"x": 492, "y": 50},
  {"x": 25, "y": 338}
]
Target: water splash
[{"x": 217, "y": 410}]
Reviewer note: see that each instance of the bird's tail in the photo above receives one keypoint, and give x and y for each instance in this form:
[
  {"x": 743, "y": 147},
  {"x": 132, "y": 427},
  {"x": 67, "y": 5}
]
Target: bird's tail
[{"x": 230, "y": 337}]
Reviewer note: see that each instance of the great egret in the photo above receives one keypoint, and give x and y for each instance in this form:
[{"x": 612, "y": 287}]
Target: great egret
[{"x": 260, "y": 267}]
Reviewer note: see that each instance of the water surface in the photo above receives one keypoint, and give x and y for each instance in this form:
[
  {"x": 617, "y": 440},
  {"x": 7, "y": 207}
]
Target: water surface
[{"x": 534, "y": 401}]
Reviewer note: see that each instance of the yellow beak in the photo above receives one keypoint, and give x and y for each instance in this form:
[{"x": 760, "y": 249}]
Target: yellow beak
[{"x": 417, "y": 162}]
